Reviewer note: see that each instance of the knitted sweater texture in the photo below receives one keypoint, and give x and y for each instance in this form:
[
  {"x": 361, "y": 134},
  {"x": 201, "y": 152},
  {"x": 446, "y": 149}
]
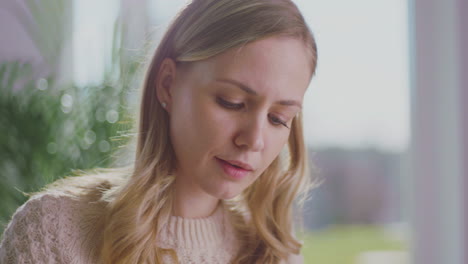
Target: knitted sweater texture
[{"x": 53, "y": 228}]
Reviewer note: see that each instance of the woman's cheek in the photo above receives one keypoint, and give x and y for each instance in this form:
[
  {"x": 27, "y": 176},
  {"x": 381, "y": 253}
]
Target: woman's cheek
[
  {"x": 212, "y": 119},
  {"x": 221, "y": 123},
  {"x": 274, "y": 144}
]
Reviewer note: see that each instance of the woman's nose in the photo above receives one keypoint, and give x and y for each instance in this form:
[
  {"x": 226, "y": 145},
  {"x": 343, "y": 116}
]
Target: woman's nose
[{"x": 251, "y": 135}]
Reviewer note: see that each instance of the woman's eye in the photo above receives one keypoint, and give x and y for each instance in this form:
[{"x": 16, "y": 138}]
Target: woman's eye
[
  {"x": 229, "y": 105},
  {"x": 276, "y": 121},
  {"x": 233, "y": 106}
]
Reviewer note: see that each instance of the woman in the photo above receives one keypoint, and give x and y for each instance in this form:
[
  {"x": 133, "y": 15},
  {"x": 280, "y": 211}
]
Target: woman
[{"x": 212, "y": 180}]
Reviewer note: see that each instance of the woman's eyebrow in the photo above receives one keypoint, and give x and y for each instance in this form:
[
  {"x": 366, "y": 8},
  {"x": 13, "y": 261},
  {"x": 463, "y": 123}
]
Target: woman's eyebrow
[
  {"x": 249, "y": 90},
  {"x": 239, "y": 84}
]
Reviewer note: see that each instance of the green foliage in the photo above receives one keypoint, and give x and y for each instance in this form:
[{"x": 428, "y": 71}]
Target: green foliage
[{"x": 48, "y": 129}]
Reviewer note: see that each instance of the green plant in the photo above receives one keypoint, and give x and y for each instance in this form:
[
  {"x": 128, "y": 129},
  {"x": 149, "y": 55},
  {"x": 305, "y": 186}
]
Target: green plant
[{"x": 48, "y": 130}]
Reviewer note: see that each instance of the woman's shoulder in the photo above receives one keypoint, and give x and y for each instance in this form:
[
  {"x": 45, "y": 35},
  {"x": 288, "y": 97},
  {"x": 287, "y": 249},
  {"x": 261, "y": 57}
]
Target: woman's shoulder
[
  {"x": 42, "y": 205},
  {"x": 52, "y": 226},
  {"x": 33, "y": 233},
  {"x": 42, "y": 212}
]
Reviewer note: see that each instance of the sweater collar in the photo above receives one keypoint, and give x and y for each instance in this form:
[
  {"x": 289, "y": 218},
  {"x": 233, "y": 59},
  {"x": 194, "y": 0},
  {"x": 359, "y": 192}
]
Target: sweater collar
[{"x": 207, "y": 232}]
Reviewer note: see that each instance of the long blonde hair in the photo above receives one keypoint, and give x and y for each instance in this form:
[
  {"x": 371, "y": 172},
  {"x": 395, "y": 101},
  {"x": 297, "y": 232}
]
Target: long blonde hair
[{"x": 139, "y": 207}]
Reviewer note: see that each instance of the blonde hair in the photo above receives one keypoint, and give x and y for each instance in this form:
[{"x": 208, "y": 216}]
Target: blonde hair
[{"x": 140, "y": 206}]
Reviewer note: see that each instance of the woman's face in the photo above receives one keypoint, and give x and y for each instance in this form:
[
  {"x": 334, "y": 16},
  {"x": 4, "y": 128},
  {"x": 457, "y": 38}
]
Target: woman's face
[{"x": 236, "y": 106}]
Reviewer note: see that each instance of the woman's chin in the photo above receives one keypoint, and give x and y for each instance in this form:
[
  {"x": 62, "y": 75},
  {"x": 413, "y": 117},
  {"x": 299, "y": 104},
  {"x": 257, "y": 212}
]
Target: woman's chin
[{"x": 226, "y": 193}]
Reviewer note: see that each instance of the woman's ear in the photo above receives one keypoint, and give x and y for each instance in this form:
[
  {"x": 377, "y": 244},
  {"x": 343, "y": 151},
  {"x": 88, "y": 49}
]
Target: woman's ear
[{"x": 165, "y": 83}]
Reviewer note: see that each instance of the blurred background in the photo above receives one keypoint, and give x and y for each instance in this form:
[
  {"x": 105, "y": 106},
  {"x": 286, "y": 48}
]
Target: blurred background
[{"x": 385, "y": 122}]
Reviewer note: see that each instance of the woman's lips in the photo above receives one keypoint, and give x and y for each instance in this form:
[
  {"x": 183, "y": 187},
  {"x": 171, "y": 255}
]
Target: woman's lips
[
  {"x": 240, "y": 164},
  {"x": 233, "y": 172}
]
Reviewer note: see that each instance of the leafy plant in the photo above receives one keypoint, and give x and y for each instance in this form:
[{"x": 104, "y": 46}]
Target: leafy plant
[
  {"x": 47, "y": 131},
  {"x": 49, "y": 128}
]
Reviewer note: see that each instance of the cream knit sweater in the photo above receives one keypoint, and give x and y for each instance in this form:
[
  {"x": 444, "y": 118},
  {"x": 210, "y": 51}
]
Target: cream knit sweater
[{"x": 53, "y": 228}]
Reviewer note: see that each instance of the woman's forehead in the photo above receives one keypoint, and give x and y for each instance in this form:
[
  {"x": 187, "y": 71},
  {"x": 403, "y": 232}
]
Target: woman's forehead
[{"x": 268, "y": 63}]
